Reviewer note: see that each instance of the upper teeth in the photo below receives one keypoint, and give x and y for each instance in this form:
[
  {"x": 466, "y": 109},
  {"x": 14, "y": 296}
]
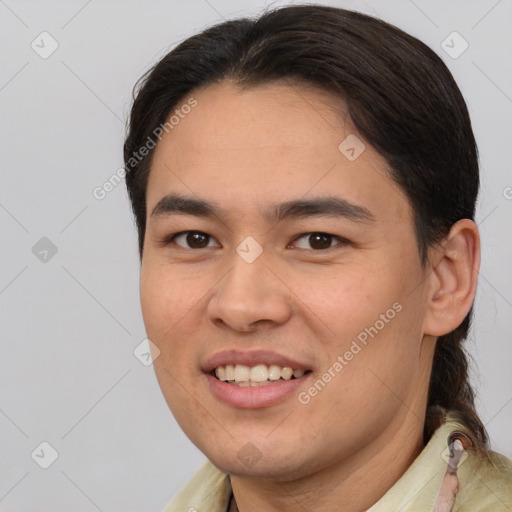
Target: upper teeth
[{"x": 258, "y": 373}]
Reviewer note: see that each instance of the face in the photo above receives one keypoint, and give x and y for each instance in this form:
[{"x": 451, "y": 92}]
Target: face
[{"x": 304, "y": 259}]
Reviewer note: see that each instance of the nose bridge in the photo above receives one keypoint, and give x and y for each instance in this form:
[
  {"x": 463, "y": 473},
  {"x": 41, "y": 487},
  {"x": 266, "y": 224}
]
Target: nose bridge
[{"x": 250, "y": 292}]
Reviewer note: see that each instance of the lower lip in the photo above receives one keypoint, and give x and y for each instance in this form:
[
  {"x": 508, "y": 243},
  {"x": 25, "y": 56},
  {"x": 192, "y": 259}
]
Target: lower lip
[{"x": 255, "y": 397}]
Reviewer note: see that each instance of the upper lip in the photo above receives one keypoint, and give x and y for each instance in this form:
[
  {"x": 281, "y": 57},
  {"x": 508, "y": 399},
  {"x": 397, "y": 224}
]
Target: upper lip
[{"x": 251, "y": 358}]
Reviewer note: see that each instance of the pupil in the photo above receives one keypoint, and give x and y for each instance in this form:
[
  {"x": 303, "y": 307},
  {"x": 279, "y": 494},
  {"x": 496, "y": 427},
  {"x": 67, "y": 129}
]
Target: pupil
[
  {"x": 197, "y": 239},
  {"x": 324, "y": 241}
]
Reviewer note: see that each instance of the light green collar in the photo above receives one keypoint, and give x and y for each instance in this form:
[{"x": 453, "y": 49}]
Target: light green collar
[{"x": 483, "y": 485}]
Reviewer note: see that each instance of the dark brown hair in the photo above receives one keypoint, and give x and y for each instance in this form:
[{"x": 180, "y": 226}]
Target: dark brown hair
[{"x": 401, "y": 98}]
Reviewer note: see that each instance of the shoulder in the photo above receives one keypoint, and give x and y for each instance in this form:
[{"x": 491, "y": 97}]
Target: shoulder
[
  {"x": 486, "y": 484},
  {"x": 208, "y": 490}
]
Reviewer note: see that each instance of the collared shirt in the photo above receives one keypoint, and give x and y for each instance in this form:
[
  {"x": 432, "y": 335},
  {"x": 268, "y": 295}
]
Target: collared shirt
[{"x": 447, "y": 476}]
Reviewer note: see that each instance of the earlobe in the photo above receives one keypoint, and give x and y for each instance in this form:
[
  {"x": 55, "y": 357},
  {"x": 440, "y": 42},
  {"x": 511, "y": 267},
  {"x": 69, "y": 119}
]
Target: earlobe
[{"x": 453, "y": 279}]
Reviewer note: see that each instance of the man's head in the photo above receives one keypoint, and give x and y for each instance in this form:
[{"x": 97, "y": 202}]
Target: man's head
[{"x": 307, "y": 189}]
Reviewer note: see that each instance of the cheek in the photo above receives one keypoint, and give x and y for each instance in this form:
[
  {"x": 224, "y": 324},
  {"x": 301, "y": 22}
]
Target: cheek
[
  {"x": 166, "y": 299},
  {"x": 169, "y": 312},
  {"x": 368, "y": 315},
  {"x": 344, "y": 301}
]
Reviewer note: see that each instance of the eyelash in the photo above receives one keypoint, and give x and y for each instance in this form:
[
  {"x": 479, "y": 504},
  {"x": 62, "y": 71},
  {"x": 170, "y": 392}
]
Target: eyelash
[{"x": 342, "y": 241}]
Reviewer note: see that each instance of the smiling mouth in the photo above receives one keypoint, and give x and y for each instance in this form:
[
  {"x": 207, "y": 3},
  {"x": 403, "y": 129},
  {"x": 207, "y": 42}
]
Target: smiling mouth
[{"x": 259, "y": 375}]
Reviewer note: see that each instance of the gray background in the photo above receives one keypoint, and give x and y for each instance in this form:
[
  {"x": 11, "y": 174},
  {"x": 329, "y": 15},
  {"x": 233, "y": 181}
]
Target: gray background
[{"x": 71, "y": 320}]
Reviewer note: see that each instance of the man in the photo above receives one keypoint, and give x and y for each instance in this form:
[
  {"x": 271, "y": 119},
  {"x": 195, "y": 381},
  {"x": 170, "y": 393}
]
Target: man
[{"x": 304, "y": 187}]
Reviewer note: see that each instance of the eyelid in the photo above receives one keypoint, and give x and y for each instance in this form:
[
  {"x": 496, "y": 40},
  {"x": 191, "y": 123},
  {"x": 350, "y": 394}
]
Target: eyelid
[
  {"x": 170, "y": 239},
  {"x": 342, "y": 241}
]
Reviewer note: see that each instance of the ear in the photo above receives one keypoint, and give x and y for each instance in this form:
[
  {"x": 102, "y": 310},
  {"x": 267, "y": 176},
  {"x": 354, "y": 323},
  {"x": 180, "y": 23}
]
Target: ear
[{"x": 453, "y": 278}]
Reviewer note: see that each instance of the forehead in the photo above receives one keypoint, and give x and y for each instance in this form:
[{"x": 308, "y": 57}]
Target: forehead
[
  {"x": 270, "y": 143},
  {"x": 268, "y": 117}
]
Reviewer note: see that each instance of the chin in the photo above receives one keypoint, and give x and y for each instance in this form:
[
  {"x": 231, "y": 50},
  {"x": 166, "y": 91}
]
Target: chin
[{"x": 250, "y": 462}]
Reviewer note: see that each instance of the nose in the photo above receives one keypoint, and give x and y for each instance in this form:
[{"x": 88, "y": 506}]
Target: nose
[{"x": 251, "y": 296}]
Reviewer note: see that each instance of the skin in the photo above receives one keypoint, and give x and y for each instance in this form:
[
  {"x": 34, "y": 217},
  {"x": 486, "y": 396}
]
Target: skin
[{"x": 246, "y": 150}]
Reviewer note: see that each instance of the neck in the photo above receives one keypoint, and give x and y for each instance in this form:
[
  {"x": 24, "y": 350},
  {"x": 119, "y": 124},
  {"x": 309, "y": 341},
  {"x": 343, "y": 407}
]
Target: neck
[{"x": 374, "y": 469}]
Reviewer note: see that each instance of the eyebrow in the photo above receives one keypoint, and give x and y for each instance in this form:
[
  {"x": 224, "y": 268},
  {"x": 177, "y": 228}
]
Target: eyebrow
[{"x": 325, "y": 206}]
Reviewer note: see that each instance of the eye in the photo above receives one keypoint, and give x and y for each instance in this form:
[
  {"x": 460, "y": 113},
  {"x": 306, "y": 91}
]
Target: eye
[
  {"x": 191, "y": 240},
  {"x": 199, "y": 240},
  {"x": 318, "y": 241}
]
